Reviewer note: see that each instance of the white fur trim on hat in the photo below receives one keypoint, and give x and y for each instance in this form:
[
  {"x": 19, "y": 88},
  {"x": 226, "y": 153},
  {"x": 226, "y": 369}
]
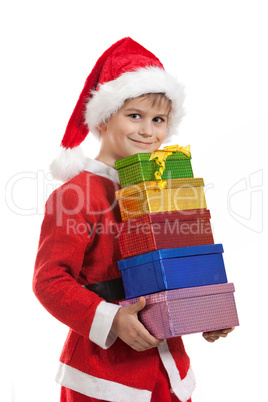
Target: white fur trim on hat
[
  {"x": 69, "y": 163},
  {"x": 110, "y": 96}
]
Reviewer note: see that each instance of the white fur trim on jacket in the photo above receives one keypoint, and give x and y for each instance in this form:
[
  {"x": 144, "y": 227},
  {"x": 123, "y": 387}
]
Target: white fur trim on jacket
[
  {"x": 182, "y": 388},
  {"x": 111, "y": 95},
  {"x": 100, "y": 331},
  {"x": 99, "y": 388}
]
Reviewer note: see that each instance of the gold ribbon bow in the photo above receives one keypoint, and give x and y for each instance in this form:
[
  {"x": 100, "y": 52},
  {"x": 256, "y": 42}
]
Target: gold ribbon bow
[
  {"x": 160, "y": 159},
  {"x": 177, "y": 148}
]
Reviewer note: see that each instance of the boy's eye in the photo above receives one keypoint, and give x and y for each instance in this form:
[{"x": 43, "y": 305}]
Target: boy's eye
[
  {"x": 158, "y": 119},
  {"x": 134, "y": 115}
]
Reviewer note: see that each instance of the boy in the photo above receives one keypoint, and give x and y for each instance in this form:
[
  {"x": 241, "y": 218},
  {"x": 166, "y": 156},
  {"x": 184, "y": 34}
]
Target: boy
[{"x": 132, "y": 104}]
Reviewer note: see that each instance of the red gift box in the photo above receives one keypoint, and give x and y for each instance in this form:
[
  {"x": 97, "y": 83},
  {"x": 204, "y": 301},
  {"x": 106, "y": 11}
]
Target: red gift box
[{"x": 164, "y": 230}]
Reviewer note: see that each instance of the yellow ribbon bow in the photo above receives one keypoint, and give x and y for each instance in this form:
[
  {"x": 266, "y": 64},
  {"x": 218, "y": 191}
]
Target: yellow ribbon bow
[
  {"x": 160, "y": 159},
  {"x": 177, "y": 148}
]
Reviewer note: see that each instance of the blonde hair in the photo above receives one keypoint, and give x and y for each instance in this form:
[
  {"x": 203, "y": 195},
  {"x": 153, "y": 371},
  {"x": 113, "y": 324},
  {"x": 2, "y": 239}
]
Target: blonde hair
[{"x": 158, "y": 99}]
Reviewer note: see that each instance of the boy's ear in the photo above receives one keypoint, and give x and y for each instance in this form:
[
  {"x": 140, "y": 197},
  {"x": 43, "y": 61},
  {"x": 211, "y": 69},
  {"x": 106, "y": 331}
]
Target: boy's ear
[{"x": 102, "y": 127}]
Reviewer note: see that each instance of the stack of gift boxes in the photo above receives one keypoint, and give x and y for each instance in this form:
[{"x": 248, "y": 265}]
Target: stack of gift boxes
[{"x": 167, "y": 247}]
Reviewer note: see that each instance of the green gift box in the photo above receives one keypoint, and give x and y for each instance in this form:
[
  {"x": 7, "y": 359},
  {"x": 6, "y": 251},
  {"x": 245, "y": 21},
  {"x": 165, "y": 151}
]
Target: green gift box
[{"x": 138, "y": 168}]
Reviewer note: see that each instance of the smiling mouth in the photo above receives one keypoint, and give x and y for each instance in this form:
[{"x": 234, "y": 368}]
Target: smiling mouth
[{"x": 141, "y": 142}]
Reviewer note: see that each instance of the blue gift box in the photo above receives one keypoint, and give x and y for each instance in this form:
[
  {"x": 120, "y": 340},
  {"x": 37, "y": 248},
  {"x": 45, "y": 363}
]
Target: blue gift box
[{"x": 173, "y": 269}]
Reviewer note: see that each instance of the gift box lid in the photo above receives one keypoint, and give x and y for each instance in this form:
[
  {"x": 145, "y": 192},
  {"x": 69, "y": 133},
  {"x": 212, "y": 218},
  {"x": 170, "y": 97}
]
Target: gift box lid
[
  {"x": 158, "y": 217},
  {"x": 185, "y": 293},
  {"x": 130, "y": 160},
  {"x": 169, "y": 253},
  {"x": 153, "y": 185}
]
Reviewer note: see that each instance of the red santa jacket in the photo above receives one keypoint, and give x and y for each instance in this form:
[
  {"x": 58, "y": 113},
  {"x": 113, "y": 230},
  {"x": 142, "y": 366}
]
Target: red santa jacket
[{"x": 77, "y": 247}]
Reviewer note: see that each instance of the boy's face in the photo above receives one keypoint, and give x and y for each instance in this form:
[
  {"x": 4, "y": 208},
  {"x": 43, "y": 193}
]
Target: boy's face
[{"x": 137, "y": 127}]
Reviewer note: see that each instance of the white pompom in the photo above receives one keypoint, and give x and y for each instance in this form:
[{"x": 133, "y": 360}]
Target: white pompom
[{"x": 69, "y": 163}]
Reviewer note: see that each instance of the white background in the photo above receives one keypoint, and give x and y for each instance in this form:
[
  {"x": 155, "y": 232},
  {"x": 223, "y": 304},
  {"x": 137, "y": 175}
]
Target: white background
[{"x": 218, "y": 49}]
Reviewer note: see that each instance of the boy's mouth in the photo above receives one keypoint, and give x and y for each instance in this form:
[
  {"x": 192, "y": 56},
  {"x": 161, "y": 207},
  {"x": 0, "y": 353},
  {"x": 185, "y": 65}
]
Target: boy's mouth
[{"x": 141, "y": 143}]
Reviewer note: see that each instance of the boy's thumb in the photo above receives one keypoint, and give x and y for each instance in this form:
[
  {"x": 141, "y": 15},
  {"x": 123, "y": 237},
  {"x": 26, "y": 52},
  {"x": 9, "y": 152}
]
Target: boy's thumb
[{"x": 139, "y": 305}]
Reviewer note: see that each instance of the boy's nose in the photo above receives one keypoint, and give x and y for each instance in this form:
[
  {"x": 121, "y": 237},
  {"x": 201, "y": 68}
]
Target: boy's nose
[{"x": 146, "y": 129}]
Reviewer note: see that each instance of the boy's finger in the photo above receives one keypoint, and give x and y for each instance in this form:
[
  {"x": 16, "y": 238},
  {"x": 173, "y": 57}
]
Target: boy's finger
[
  {"x": 227, "y": 330},
  {"x": 135, "y": 308},
  {"x": 147, "y": 337},
  {"x": 145, "y": 343},
  {"x": 222, "y": 332}
]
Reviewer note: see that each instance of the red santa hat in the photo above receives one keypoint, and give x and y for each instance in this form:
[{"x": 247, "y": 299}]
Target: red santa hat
[{"x": 125, "y": 70}]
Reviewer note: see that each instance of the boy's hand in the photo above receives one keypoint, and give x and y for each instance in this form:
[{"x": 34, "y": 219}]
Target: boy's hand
[
  {"x": 130, "y": 330},
  {"x": 215, "y": 335}
]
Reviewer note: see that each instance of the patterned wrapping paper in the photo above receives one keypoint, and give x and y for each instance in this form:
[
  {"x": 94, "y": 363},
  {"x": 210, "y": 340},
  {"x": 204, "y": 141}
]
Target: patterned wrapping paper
[
  {"x": 173, "y": 269},
  {"x": 186, "y": 311},
  {"x": 138, "y": 168},
  {"x": 164, "y": 230},
  {"x": 196, "y": 297},
  {"x": 146, "y": 197}
]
